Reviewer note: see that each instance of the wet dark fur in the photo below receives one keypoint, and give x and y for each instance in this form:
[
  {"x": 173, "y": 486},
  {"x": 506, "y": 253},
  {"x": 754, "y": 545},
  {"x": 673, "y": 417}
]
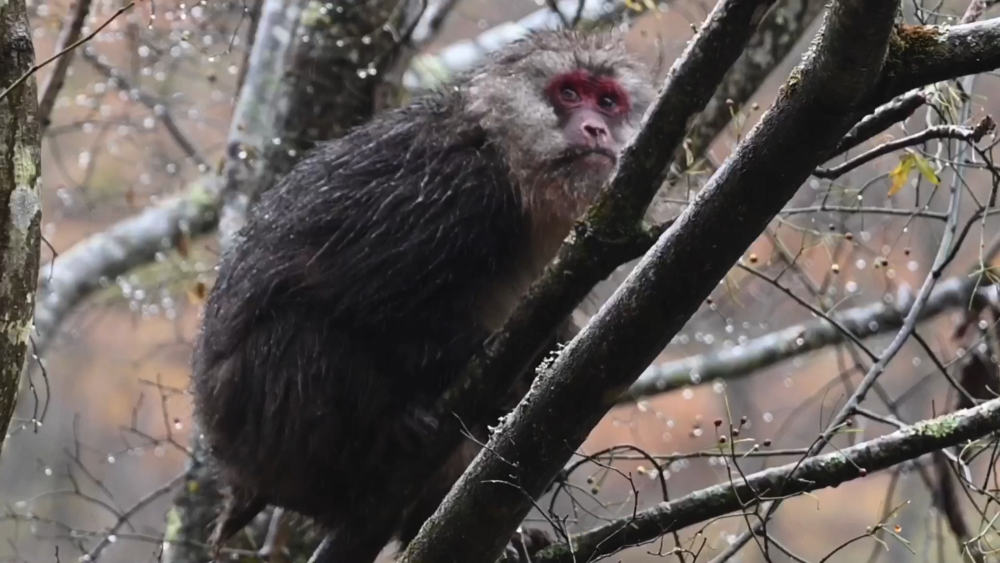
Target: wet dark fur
[{"x": 367, "y": 277}]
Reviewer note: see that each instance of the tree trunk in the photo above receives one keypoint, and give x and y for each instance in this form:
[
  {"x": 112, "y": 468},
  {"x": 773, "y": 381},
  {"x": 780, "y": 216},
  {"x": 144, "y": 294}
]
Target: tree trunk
[{"x": 20, "y": 199}]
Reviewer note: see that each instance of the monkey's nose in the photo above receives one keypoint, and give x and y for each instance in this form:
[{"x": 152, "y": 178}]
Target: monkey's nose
[{"x": 595, "y": 131}]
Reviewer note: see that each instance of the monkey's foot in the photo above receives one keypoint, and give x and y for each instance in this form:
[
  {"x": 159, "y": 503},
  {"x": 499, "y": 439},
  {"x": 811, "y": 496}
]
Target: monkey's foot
[{"x": 525, "y": 543}]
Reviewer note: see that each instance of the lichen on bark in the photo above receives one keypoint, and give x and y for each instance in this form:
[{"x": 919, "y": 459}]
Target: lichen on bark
[{"x": 20, "y": 200}]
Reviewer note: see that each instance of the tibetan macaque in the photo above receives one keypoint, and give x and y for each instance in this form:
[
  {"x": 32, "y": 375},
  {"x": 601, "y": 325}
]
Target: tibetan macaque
[{"x": 367, "y": 277}]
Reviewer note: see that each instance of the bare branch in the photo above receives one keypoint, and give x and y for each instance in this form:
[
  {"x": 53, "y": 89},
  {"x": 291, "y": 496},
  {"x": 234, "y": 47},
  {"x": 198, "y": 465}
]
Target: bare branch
[
  {"x": 151, "y": 102},
  {"x": 820, "y": 472},
  {"x": 69, "y": 35},
  {"x": 127, "y": 515},
  {"x": 892, "y": 112},
  {"x": 35, "y": 68},
  {"x": 798, "y": 340},
  {"x": 96, "y": 261},
  {"x": 959, "y": 132}
]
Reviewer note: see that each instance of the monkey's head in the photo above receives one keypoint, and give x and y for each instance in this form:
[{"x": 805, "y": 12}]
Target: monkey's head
[{"x": 560, "y": 106}]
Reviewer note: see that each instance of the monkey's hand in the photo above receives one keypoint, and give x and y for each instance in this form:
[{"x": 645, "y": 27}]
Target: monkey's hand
[{"x": 524, "y": 544}]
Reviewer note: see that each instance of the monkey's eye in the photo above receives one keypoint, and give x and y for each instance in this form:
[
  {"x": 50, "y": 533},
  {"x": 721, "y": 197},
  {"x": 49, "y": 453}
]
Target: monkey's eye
[
  {"x": 569, "y": 95},
  {"x": 608, "y": 103}
]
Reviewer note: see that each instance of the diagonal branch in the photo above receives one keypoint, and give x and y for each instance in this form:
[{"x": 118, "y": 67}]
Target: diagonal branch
[
  {"x": 65, "y": 51},
  {"x": 69, "y": 35},
  {"x": 151, "y": 102}
]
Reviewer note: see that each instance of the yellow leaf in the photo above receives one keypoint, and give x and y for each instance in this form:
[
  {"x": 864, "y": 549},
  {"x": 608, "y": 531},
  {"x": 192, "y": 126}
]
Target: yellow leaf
[
  {"x": 925, "y": 169},
  {"x": 901, "y": 172}
]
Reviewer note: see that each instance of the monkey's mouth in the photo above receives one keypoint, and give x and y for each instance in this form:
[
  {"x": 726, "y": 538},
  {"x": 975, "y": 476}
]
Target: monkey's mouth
[{"x": 597, "y": 155}]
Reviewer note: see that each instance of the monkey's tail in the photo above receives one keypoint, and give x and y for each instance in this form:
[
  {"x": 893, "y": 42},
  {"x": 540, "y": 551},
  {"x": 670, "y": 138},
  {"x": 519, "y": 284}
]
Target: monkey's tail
[{"x": 241, "y": 506}]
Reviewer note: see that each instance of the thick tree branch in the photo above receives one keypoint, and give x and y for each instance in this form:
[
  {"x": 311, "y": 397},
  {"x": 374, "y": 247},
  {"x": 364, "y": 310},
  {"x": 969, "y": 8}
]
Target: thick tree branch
[
  {"x": 20, "y": 199},
  {"x": 770, "y": 349},
  {"x": 814, "y": 110},
  {"x": 921, "y": 55},
  {"x": 775, "y": 38},
  {"x": 820, "y": 472}
]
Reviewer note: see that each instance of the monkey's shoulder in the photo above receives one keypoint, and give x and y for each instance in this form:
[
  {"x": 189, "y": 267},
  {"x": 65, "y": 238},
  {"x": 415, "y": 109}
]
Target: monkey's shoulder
[
  {"x": 409, "y": 162},
  {"x": 384, "y": 222}
]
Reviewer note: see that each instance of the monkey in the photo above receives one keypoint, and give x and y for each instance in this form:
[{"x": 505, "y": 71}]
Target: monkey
[{"x": 365, "y": 279}]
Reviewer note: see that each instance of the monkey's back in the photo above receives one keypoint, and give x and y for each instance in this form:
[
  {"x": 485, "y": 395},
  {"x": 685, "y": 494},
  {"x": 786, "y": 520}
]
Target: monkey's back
[{"x": 348, "y": 303}]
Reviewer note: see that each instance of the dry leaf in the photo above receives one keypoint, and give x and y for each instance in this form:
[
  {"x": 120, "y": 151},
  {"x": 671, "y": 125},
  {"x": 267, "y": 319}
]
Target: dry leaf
[
  {"x": 198, "y": 292},
  {"x": 183, "y": 245}
]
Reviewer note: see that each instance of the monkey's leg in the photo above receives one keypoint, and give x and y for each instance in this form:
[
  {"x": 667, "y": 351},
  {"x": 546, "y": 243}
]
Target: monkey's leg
[
  {"x": 526, "y": 543},
  {"x": 523, "y": 545},
  {"x": 239, "y": 509},
  {"x": 358, "y": 541},
  {"x": 436, "y": 489}
]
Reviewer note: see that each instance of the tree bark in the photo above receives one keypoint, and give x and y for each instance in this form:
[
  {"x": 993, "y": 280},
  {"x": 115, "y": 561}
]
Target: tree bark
[{"x": 20, "y": 200}]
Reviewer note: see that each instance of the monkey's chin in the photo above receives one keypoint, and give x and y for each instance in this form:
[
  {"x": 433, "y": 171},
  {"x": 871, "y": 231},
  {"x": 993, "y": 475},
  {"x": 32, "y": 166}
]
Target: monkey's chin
[{"x": 597, "y": 163}]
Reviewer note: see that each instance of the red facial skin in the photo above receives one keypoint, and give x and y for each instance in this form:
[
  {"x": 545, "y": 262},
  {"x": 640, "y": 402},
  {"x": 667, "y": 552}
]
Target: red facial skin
[{"x": 590, "y": 108}]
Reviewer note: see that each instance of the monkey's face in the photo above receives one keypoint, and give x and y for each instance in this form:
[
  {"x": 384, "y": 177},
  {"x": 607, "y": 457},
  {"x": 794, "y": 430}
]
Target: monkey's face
[
  {"x": 561, "y": 106},
  {"x": 591, "y": 111}
]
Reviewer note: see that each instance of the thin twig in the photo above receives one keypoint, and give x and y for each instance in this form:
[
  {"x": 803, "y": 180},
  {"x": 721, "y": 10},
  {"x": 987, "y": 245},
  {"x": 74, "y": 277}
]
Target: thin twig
[
  {"x": 127, "y": 515},
  {"x": 70, "y": 34},
  {"x": 959, "y": 132},
  {"x": 894, "y": 111},
  {"x": 160, "y": 110},
  {"x": 67, "y": 50}
]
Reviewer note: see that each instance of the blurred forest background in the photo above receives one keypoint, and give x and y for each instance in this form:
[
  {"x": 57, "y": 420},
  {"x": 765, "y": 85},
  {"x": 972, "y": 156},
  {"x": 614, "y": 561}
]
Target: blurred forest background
[{"x": 146, "y": 110}]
